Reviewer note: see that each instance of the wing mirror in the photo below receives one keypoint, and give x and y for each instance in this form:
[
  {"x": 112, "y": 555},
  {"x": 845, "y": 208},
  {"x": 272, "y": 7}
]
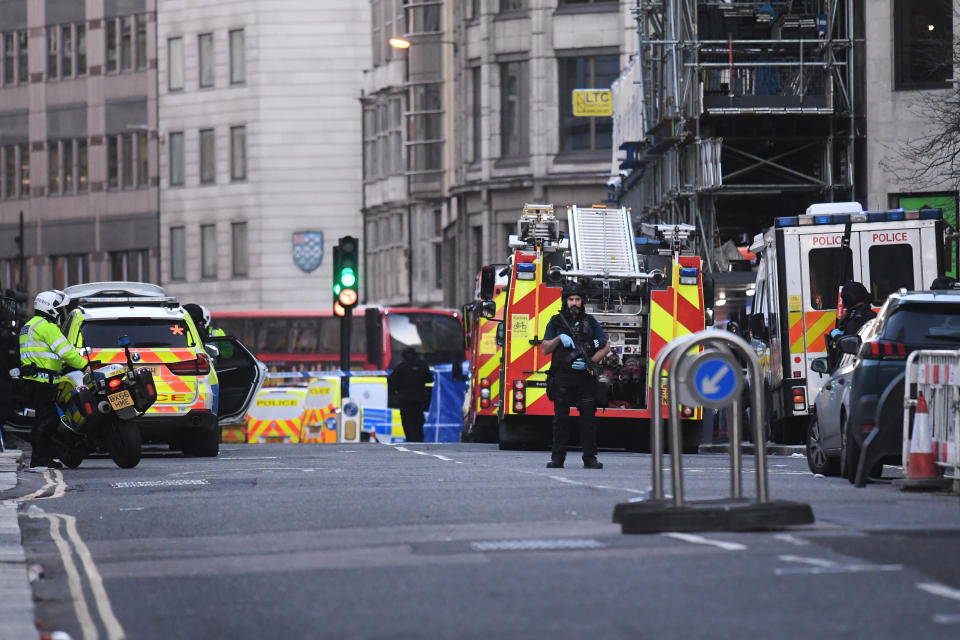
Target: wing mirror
[
  {"x": 849, "y": 344},
  {"x": 819, "y": 365},
  {"x": 212, "y": 349},
  {"x": 488, "y": 308}
]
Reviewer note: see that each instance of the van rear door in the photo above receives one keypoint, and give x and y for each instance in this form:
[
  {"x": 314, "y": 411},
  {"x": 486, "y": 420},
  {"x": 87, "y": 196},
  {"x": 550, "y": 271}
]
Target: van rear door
[
  {"x": 824, "y": 266},
  {"x": 892, "y": 258}
]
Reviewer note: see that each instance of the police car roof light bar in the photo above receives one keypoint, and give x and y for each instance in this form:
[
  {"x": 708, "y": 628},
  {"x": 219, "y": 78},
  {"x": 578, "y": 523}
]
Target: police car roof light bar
[
  {"x": 889, "y": 215},
  {"x": 158, "y": 301}
]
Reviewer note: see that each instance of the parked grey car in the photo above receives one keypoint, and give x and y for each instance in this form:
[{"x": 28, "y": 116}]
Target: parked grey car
[{"x": 831, "y": 409}]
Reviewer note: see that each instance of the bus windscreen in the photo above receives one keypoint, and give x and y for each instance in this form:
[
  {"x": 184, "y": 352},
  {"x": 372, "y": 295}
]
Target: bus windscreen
[{"x": 438, "y": 338}]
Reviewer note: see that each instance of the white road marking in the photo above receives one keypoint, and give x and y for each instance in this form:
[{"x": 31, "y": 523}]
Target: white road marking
[
  {"x": 817, "y": 562},
  {"x": 87, "y": 627},
  {"x": 419, "y": 453},
  {"x": 135, "y": 484},
  {"x": 946, "y": 618},
  {"x": 567, "y": 480},
  {"x": 840, "y": 568},
  {"x": 535, "y": 545},
  {"x": 444, "y": 458},
  {"x": 401, "y": 449},
  {"x": 254, "y": 458},
  {"x": 786, "y": 537},
  {"x": 114, "y": 630},
  {"x": 132, "y": 508},
  {"x": 938, "y": 589},
  {"x": 693, "y": 539}
]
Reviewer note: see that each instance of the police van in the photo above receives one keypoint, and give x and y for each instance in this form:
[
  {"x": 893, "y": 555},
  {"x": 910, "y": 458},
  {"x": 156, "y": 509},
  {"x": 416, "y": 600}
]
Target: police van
[{"x": 803, "y": 262}]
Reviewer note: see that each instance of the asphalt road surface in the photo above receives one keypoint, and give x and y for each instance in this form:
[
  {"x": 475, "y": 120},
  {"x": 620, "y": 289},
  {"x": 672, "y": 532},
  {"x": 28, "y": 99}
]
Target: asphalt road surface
[{"x": 465, "y": 541}]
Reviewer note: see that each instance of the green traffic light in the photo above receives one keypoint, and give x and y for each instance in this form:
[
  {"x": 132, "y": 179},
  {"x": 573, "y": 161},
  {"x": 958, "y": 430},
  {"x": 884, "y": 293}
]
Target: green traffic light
[{"x": 347, "y": 277}]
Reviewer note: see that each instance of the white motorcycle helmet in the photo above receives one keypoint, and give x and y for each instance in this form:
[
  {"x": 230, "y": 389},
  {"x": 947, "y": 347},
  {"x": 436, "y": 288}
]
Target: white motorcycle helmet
[
  {"x": 51, "y": 303},
  {"x": 206, "y": 316}
]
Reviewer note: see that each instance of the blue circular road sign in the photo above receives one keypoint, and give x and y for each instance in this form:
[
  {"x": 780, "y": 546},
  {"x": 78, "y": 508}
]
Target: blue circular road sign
[{"x": 715, "y": 378}]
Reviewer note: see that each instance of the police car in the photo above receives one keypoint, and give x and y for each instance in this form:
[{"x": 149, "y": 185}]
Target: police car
[{"x": 200, "y": 387}]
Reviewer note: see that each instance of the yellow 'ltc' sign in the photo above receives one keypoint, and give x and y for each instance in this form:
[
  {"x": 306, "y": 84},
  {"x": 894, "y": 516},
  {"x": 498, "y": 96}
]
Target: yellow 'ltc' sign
[{"x": 592, "y": 102}]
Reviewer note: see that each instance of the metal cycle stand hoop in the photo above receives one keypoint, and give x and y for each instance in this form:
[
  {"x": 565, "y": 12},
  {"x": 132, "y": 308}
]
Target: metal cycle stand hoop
[{"x": 714, "y": 379}]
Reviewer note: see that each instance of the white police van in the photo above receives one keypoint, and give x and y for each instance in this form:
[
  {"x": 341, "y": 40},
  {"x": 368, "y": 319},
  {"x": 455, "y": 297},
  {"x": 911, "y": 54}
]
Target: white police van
[{"x": 803, "y": 262}]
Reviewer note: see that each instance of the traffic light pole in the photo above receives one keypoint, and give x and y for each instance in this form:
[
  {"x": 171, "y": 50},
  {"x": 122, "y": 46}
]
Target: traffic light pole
[{"x": 345, "y": 325}]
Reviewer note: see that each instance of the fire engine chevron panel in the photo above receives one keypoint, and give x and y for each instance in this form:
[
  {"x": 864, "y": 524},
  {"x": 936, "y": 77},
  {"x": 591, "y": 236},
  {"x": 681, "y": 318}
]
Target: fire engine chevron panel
[
  {"x": 486, "y": 352},
  {"x": 804, "y": 260},
  {"x": 641, "y": 301}
]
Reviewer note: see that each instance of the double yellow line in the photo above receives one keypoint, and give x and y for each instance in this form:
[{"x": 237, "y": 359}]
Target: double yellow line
[{"x": 73, "y": 545}]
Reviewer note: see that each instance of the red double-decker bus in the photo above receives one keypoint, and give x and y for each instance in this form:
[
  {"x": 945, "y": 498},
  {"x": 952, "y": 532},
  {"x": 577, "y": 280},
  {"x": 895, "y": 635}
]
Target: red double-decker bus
[{"x": 310, "y": 340}]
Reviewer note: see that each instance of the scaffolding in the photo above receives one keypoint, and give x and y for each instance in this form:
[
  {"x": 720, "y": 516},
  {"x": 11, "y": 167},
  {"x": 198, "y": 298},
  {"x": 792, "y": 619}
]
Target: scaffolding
[{"x": 746, "y": 110}]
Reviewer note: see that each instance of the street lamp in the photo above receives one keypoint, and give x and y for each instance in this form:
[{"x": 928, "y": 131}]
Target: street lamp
[{"x": 399, "y": 43}]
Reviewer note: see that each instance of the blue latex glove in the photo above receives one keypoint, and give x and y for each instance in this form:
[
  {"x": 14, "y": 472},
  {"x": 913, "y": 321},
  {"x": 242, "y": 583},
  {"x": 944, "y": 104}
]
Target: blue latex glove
[
  {"x": 566, "y": 341},
  {"x": 836, "y": 333},
  {"x": 579, "y": 365}
]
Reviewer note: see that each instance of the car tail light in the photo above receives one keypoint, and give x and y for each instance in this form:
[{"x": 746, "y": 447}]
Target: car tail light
[
  {"x": 113, "y": 383},
  {"x": 799, "y": 399},
  {"x": 883, "y": 350},
  {"x": 198, "y": 367}
]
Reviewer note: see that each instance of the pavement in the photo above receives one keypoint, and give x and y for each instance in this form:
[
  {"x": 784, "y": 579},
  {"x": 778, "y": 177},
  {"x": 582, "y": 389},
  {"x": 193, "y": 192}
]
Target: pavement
[
  {"x": 747, "y": 448},
  {"x": 16, "y": 600}
]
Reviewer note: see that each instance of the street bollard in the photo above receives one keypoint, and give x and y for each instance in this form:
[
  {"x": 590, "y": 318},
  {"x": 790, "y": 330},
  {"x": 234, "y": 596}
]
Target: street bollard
[{"x": 713, "y": 378}]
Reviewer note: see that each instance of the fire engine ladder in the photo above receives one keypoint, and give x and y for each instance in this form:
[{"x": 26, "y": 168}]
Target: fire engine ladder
[{"x": 602, "y": 243}]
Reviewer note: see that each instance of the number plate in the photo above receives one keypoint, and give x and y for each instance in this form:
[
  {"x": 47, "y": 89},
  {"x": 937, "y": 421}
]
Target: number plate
[
  {"x": 154, "y": 369},
  {"x": 120, "y": 400}
]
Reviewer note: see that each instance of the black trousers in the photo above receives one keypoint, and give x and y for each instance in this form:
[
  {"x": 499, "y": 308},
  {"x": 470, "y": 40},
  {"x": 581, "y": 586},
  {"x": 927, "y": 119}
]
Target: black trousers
[
  {"x": 412, "y": 418},
  {"x": 41, "y": 396},
  {"x": 575, "y": 389}
]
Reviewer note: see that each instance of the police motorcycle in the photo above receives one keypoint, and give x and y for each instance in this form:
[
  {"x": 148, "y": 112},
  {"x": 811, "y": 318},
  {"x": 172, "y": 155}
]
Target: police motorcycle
[{"x": 99, "y": 408}]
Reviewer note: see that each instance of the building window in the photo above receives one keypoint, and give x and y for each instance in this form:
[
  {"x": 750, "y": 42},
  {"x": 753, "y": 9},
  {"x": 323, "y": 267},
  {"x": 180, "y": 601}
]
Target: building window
[
  {"x": 176, "y": 159},
  {"x": 143, "y": 159},
  {"x": 476, "y": 114},
  {"x": 474, "y": 12},
  {"x": 54, "y": 168},
  {"x": 178, "y": 254},
  {"x": 205, "y": 50},
  {"x": 175, "y": 62},
  {"x": 66, "y": 51},
  {"x": 576, "y": 3},
  {"x": 127, "y": 160},
  {"x": 8, "y": 160},
  {"x": 113, "y": 162},
  {"x": 425, "y": 127},
  {"x": 81, "y": 50},
  {"x": 82, "y": 164},
  {"x": 512, "y": 5},
  {"x": 238, "y": 247},
  {"x": 110, "y": 65},
  {"x": 424, "y": 16},
  {"x": 141, "y": 42},
  {"x": 24, "y": 159},
  {"x": 23, "y": 68},
  {"x": 130, "y": 266},
  {"x": 9, "y": 59},
  {"x": 923, "y": 44},
  {"x": 396, "y": 134},
  {"x": 595, "y": 72},
  {"x": 208, "y": 163},
  {"x": 238, "y": 153},
  {"x": 238, "y": 64},
  {"x": 69, "y": 270},
  {"x": 514, "y": 110},
  {"x": 208, "y": 251},
  {"x": 67, "y": 151},
  {"x": 370, "y": 141},
  {"x": 126, "y": 43},
  {"x": 53, "y": 49}
]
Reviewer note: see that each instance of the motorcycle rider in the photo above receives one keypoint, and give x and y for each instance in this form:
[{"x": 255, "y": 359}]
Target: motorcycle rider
[
  {"x": 202, "y": 319},
  {"x": 43, "y": 351}
]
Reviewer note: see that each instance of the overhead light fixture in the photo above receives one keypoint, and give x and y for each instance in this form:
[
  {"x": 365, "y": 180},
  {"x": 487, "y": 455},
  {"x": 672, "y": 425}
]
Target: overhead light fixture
[
  {"x": 751, "y": 291},
  {"x": 399, "y": 43},
  {"x": 720, "y": 302},
  {"x": 930, "y": 27}
]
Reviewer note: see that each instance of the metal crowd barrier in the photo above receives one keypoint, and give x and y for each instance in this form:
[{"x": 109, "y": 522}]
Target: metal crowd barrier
[{"x": 935, "y": 373}]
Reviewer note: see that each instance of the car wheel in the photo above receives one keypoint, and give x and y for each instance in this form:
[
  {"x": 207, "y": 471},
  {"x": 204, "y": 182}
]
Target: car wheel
[{"x": 817, "y": 458}]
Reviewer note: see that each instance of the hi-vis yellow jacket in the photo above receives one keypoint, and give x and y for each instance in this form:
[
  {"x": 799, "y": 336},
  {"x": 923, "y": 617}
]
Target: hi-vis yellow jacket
[{"x": 42, "y": 344}]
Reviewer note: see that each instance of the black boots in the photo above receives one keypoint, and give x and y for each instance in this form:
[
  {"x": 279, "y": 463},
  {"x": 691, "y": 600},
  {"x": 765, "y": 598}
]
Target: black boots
[
  {"x": 592, "y": 463},
  {"x": 555, "y": 464}
]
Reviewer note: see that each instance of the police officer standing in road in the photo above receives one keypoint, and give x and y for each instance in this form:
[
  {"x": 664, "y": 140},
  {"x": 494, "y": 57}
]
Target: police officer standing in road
[
  {"x": 408, "y": 383},
  {"x": 578, "y": 344},
  {"x": 43, "y": 350}
]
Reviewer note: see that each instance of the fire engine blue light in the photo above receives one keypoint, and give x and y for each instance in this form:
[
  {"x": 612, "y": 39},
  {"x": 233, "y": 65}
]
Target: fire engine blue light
[
  {"x": 786, "y": 221},
  {"x": 526, "y": 266},
  {"x": 688, "y": 272},
  {"x": 931, "y": 214}
]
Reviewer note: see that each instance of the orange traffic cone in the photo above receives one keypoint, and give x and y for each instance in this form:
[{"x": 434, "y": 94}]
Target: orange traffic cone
[{"x": 921, "y": 464}]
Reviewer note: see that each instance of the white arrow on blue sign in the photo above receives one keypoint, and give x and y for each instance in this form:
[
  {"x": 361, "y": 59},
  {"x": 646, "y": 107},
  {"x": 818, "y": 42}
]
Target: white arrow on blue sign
[{"x": 716, "y": 379}]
